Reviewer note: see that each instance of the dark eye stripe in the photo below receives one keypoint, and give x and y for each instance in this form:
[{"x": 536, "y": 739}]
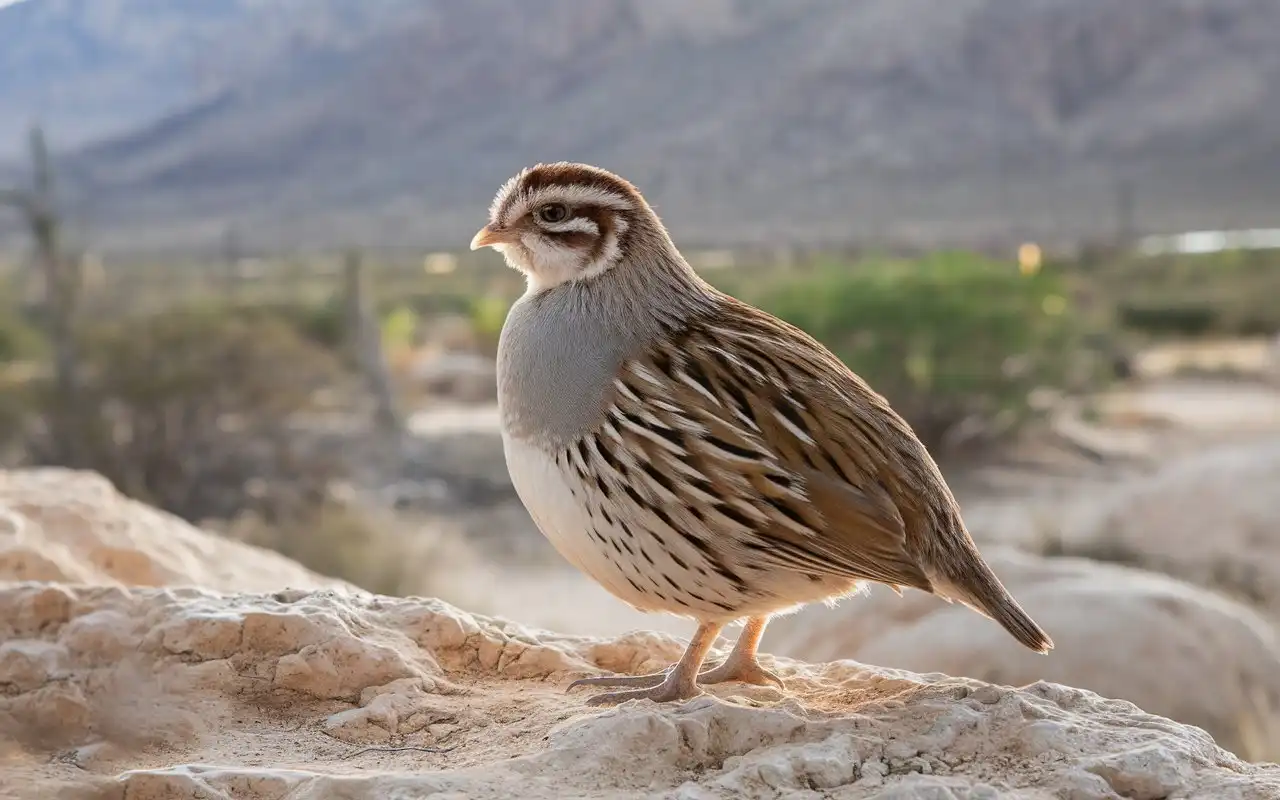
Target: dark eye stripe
[
  {"x": 604, "y": 220},
  {"x": 571, "y": 238}
]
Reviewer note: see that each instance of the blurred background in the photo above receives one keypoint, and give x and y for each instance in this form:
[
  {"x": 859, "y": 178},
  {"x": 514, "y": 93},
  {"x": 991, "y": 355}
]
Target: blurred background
[{"x": 234, "y": 281}]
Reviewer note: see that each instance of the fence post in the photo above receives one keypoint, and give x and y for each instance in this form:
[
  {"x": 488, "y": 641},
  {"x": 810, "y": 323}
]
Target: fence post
[
  {"x": 61, "y": 290},
  {"x": 231, "y": 264},
  {"x": 365, "y": 342}
]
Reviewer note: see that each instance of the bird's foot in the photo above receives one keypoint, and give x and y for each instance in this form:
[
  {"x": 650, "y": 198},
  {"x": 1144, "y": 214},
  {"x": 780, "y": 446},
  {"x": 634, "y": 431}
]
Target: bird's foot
[
  {"x": 658, "y": 686},
  {"x": 662, "y": 687},
  {"x": 742, "y": 671}
]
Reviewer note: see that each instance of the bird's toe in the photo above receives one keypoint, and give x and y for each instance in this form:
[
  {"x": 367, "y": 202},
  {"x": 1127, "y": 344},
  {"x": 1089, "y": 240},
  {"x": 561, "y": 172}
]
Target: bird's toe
[
  {"x": 622, "y": 681},
  {"x": 666, "y": 692},
  {"x": 742, "y": 672}
]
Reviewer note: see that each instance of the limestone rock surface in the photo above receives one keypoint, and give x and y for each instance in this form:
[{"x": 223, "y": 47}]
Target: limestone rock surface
[
  {"x": 150, "y": 693},
  {"x": 74, "y": 527},
  {"x": 1210, "y": 520},
  {"x": 1172, "y": 648},
  {"x": 141, "y": 658}
]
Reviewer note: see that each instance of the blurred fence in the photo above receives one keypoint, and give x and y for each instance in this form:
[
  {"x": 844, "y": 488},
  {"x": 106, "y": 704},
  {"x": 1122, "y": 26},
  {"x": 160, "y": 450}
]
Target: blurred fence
[
  {"x": 120, "y": 286},
  {"x": 111, "y": 288}
]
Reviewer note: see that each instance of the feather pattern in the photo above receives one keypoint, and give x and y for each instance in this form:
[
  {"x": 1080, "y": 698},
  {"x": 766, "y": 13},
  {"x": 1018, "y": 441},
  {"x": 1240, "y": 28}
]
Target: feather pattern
[{"x": 718, "y": 431}]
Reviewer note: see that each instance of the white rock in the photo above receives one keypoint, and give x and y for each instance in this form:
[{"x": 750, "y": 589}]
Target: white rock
[
  {"x": 1209, "y": 519},
  {"x": 263, "y": 697},
  {"x": 1169, "y": 647},
  {"x": 148, "y": 692},
  {"x": 70, "y": 526}
]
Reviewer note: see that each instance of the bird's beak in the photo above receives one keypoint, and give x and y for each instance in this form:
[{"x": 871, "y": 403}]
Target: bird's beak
[{"x": 489, "y": 236}]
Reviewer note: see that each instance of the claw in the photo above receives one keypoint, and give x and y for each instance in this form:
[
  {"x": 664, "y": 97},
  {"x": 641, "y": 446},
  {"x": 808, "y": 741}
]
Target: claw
[{"x": 640, "y": 681}]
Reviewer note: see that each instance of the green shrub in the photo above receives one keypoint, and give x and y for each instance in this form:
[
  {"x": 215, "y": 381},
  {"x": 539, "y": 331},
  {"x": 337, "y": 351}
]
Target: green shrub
[
  {"x": 950, "y": 339},
  {"x": 1183, "y": 319},
  {"x": 488, "y": 314},
  {"x": 19, "y": 340},
  {"x": 432, "y": 303},
  {"x": 1230, "y": 293},
  {"x": 324, "y": 323},
  {"x": 399, "y": 327}
]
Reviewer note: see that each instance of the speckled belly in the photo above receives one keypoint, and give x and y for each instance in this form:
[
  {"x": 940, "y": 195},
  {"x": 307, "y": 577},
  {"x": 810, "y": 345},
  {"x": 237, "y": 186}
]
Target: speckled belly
[{"x": 643, "y": 563}]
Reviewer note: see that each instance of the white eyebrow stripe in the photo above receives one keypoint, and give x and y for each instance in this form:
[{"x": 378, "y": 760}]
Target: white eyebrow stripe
[
  {"x": 574, "y": 225},
  {"x": 576, "y": 195}
]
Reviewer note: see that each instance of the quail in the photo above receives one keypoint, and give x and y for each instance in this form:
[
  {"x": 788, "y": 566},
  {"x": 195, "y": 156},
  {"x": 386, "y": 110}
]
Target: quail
[{"x": 692, "y": 453}]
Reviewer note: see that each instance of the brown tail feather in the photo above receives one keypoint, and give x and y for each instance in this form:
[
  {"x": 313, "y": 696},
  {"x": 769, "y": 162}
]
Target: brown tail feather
[{"x": 973, "y": 583}]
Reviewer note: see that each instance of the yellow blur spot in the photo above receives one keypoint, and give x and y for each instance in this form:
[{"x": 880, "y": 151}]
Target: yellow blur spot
[
  {"x": 439, "y": 263},
  {"x": 919, "y": 369},
  {"x": 1029, "y": 258},
  {"x": 1054, "y": 304}
]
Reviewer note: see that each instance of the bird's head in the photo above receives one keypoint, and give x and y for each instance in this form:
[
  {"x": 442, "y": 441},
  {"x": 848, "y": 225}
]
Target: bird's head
[{"x": 569, "y": 222}]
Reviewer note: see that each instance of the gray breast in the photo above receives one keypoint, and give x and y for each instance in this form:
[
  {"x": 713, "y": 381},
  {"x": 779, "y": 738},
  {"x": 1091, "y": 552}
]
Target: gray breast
[{"x": 557, "y": 357}]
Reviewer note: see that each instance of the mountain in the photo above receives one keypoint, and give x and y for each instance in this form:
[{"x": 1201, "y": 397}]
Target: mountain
[
  {"x": 322, "y": 122},
  {"x": 90, "y": 68}
]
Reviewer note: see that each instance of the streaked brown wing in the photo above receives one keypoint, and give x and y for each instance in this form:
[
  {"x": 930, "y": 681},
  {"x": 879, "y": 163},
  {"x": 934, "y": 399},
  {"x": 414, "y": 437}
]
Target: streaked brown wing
[{"x": 782, "y": 443}]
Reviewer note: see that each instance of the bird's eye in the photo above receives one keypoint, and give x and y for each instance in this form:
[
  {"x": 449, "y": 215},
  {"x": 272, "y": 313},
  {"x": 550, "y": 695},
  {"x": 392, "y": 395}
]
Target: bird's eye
[{"x": 553, "y": 212}]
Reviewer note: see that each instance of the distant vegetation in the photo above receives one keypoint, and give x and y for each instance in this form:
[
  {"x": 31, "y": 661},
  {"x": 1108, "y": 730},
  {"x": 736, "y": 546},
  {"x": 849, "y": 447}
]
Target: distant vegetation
[
  {"x": 190, "y": 409},
  {"x": 20, "y": 340},
  {"x": 951, "y": 338},
  {"x": 955, "y": 341},
  {"x": 1233, "y": 293}
]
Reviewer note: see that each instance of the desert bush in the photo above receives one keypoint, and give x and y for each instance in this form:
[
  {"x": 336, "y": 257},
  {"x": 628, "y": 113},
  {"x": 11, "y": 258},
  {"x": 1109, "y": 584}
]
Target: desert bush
[
  {"x": 1169, "y": 318},
  {"x": 1230, "y": 293},
  {"x": 323, "y": 323},
  {"x": 194, "y": 410},
  {"x": 956, "y": 342},
  {"x": 15, "y": 409},
  {"x": 431, "y": 303},
  {"x": 399, "y": 328},
  {"x": 483, "y": 308},
  {"x": 488, "y": 313},
  {"x": 20, "y": 342},
  {"x": 19, "y": 338}
]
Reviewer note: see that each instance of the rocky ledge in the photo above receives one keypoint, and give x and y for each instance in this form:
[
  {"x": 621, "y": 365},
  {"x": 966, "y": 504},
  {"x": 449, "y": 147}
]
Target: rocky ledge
[
  {"x": 158, "y": 693},
  {"x": 120, "y": 679}
]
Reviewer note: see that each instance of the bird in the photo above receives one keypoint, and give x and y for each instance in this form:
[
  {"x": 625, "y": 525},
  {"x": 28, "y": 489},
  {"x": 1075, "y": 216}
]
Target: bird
[{"x": 694, "y": 454}]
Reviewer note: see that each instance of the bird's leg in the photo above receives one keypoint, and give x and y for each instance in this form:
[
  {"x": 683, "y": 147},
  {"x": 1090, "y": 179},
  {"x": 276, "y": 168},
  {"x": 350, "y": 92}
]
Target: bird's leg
[
  {"x": 678, "y": 683},
  {"x": 742, "y": 664}
]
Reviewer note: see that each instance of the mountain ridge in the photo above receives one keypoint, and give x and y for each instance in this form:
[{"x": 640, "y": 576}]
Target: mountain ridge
[{"x": 743, "y": 122}]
